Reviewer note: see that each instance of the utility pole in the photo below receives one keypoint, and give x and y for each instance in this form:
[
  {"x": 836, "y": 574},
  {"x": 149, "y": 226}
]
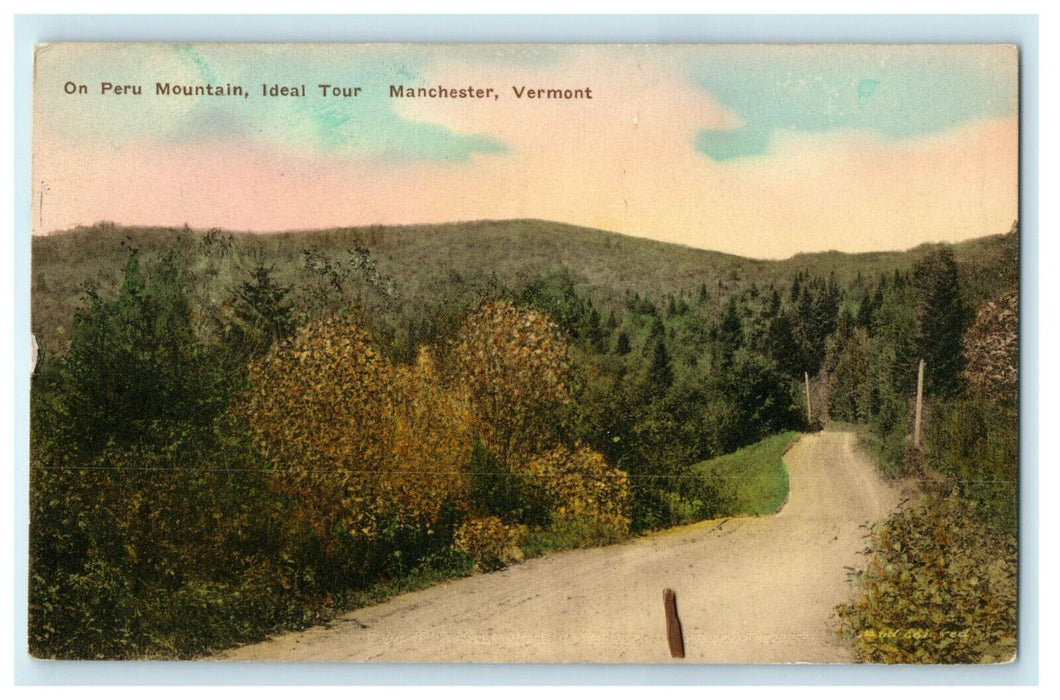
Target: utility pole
[
  {"x": 44, "y": 189},
  {"x": 809, "y": 412},
  {"x": 919, "y": 404}
]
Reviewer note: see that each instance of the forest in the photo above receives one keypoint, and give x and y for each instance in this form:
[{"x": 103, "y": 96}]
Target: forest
[{"x": 233, "y": 434}]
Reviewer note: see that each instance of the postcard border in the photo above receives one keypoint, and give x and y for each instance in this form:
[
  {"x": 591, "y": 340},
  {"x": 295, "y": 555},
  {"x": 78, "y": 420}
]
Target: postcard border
[{"x": 1021, "y": 30}]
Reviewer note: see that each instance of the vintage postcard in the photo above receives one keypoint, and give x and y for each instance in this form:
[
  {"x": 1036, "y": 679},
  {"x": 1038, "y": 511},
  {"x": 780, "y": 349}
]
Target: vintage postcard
[{"x": 682, "y": 354}]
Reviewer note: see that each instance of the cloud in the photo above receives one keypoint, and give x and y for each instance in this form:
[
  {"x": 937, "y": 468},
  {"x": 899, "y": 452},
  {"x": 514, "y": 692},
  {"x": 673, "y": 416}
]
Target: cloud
[
  {"x": 363, "y": 128},
  {"x": 896, "y": 92}
]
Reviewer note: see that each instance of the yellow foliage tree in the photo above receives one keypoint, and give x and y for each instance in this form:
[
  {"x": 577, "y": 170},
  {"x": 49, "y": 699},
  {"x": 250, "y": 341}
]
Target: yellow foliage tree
[
  {"x": 317, "y": 409},
  {"x": 991, "y": 349},
  {"x": 513, "y": 364},
  {"x": 354, "y": 440}
]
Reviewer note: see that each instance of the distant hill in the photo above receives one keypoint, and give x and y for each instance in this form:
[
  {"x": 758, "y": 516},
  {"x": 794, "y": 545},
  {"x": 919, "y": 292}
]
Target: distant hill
[{"x": 428, "y": 261}]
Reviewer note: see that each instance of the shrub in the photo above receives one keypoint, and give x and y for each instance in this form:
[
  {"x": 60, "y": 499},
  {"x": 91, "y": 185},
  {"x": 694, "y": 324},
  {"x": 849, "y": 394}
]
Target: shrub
[
  {"x": 511, "y": 495},
  {"x": 581, "y": 487},
  {"x": 568, "y": 533},
  {"x": 490, "y": 543},
  {"x": 939, "y": 588}
]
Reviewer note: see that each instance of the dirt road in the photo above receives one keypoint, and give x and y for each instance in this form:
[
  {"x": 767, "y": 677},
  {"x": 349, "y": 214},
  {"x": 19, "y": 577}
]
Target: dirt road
[{"x": 749, "y": 590}]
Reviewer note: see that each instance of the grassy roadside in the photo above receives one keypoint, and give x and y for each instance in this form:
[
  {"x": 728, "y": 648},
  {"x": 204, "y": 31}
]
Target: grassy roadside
[{"x": 754, "y": 476}]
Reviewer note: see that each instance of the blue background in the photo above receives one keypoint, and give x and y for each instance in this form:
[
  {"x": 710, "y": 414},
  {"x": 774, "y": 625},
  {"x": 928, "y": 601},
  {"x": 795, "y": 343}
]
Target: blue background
[{"x": 1021, "y": 30}]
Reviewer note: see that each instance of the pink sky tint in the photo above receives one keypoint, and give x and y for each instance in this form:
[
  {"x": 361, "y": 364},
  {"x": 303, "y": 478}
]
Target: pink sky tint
[{"x": 623, "y": 161}]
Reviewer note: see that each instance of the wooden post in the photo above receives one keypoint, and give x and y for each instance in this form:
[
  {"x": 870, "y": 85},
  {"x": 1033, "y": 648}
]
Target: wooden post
[
  {"x": 674, "y": 636},
  {"x": 809, "y": 413},
  {"x": 919, "y": 404}
]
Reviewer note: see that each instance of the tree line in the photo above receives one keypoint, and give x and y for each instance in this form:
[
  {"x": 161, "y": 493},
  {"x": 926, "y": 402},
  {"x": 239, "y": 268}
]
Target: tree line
[{"x": 207, "y": 467}]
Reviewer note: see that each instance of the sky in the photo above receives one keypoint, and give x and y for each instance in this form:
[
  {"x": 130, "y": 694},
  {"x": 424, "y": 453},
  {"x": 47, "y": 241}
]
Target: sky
[{"x": 763, "y": 151}]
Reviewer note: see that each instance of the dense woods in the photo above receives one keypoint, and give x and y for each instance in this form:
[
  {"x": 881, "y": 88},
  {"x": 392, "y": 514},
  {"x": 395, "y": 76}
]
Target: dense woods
[{"x": 233, "y": 434}]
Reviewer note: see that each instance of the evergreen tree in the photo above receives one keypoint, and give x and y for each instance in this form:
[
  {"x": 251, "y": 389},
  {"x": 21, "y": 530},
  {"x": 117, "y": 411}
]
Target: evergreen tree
[
  {"x": 263, "y": 314},
  {"x": 702, "y": 295},
  {"x": 865, "y": 308},
  {"x": 657, "y": 332},
  {"x": 796, "y": 288},
  {"x": 782, "y": 347},
  {"x": 759, "y": 397},
  {"x": 941, "y": 319},
  {"x": 671, "y": 306},
  {"x": 594, "y": 332},
  {"x": 135, "y": 373},
  {"x": 661, "y": 371},
  {"x": 729, "y": 334}
]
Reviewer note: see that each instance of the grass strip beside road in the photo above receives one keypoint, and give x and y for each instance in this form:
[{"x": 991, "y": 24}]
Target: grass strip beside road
[{"x": 754, "y": 476}]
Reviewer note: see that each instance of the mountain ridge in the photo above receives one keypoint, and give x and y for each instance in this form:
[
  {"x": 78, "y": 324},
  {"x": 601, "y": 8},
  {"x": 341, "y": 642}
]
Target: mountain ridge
[{"x": 428, "y": 262}]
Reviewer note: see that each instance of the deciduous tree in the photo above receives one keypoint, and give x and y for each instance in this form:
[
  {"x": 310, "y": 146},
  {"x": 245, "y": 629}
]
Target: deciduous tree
[{"x": 513, "y": 363}]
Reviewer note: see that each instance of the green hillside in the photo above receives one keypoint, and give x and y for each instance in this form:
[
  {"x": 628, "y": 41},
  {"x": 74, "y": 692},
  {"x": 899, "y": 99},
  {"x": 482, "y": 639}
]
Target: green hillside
[{"x": 428, "y": 263}]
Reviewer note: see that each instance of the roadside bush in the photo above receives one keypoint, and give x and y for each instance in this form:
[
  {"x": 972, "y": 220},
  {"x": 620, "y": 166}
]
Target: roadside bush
[
  {"x": 939, "y": 588},
  {"x": 565, "y": 533},
  {"x": 490, "y": 543},
  {"x": 580, "y": 486},
  {"x": 680, "y": 497},
  {"x": 133, "y": 558}
]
